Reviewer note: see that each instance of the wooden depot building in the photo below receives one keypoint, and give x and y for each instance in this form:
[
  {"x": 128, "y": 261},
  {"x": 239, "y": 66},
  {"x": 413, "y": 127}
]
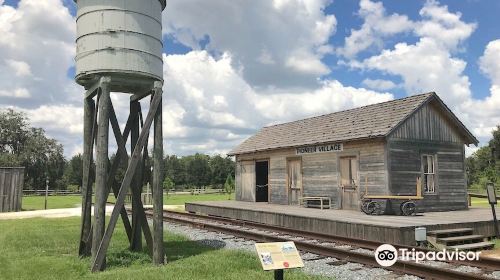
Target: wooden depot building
[{"x": 379, "y": 149}]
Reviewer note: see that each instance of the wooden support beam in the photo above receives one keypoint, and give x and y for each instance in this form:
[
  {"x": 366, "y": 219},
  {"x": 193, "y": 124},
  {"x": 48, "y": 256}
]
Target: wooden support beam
[
  {"x": 99, "y": 261},
  {"x": 157, "y": 189},
  {"x": 139, "y": 96},
  {"x": 101, "y": 170},
  {"x": 136, "y": 186},
  {"x": 123, "y": 155},
  {"x": 88, "y": 140},
  {"x": 92, "y": 91}
]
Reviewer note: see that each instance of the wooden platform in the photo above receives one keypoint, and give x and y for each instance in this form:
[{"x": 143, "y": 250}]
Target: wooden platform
[{"x": 355, "y": 224}]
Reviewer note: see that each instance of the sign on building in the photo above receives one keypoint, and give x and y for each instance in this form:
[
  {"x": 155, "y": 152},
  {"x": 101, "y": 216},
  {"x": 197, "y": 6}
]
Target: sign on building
[{"x": 338, "y": 147}]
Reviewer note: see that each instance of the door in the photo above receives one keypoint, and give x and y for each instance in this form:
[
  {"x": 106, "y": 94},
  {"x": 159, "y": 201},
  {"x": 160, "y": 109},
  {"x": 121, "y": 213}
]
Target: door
[
  {"x": 248, "y": 181},
  {"x": 294, "y": 181},
  {"x": 349, "y": 182}
]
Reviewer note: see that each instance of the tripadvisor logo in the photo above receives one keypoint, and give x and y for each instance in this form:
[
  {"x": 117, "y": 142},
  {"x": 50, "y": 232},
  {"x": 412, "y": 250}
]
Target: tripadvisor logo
[{"x": 387, "y": 255}]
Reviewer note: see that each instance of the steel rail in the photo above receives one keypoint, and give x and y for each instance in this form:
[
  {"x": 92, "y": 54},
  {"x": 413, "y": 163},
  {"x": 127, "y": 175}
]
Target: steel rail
[
  {"x": 485, "y": 263},
  {"x": 401, "y": 267}
]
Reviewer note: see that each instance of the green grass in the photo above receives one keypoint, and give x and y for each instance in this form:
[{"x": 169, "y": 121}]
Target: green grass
[
  {"x": 180, "y": 199},
  {"x": 46, "y": 249},
  {"x": 70, "y": 201},
  {"x": 479, "y": 202},
  {"x": 53, "y": 202}
]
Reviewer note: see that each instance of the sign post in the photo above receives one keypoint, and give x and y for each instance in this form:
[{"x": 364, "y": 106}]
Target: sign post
[
  {"x": 278, "y": 274},
  {"x": 278, "y": 256},
  {"x": 46, "y": 192},
  {"x": 492, "y": 199}
]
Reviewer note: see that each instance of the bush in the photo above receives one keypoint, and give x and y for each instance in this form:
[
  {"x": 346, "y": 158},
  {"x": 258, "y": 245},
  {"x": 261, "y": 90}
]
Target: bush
[{"x": 73, "y": 188}]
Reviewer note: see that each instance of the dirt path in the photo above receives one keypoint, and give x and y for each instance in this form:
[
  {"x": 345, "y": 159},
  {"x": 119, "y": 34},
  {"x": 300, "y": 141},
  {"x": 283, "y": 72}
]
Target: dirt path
[{"x": 66, "y": 212}]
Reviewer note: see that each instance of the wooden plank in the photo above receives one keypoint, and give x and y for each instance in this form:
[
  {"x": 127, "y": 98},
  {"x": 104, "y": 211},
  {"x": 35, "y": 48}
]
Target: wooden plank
[
  {"x": 101, "y": 170},
  {"x": 136, "y": 185},
  {"x": 157, "y": 188},
  {"x": 121, "y": 155},
  {"x": 139, "y": 96},
  {"x": 94, "y": 89},
  {"x": 89, "y": 117},
  {"x": 98, "y": 263}
]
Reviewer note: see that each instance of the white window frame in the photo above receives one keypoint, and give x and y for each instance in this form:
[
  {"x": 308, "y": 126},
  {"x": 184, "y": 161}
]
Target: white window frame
[{"x": 429, "y": 189}]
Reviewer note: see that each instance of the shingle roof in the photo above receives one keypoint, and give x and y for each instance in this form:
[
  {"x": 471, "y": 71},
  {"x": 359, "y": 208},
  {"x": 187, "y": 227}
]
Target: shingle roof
[{"x": 371, "y": 121}]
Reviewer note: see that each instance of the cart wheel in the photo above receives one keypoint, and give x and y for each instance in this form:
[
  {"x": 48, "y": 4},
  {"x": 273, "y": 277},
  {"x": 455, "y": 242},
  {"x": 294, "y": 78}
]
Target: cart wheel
[
  {"x": 373, "y": 208},
  {"x": 408, "y": 208},
  {"x": 364, "y": 206}
]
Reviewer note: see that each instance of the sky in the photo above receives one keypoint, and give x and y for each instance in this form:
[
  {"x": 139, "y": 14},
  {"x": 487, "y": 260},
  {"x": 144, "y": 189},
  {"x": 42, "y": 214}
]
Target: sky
[{"x": 232, "y": 67}]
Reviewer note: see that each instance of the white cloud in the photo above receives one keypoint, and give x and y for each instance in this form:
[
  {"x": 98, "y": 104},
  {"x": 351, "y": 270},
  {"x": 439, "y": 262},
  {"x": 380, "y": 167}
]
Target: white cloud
[
  {"x": 377, "y": 26},
  {"x": 490, "y": 61},
  {"x": 431, "y": 64},
  {"x": 16, "y": 93},
  {"x": 210, "y": 107},
  {"x": 424, "y": 67},
  {"x": 273, "y": 43},
  {"x": 36, "y": 51},
  {"x": 20, "y": 68},
  {"x": 379, "y": 84},
  {"x": 443, "y": 26}
]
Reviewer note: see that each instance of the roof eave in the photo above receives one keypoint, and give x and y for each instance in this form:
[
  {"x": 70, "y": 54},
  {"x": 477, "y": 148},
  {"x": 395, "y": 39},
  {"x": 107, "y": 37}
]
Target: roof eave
[{"x": 237, "y": 153}]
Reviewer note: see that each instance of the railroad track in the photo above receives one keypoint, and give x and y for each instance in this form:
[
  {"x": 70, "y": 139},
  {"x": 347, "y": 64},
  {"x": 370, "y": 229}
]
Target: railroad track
[{"x": 330, "y": 246}]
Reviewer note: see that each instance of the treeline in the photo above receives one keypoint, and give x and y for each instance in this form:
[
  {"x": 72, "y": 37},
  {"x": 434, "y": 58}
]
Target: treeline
[
  {"x": 198, "y": 170},
  {"x": 43, "y": 158},
  {"x": 194, "y": 171},
  {"x": 484, "y": 165}
]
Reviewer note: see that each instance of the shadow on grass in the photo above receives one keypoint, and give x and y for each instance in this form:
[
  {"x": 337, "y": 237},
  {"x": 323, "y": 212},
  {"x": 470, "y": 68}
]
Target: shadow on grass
[{"x": 175, "y": 250}]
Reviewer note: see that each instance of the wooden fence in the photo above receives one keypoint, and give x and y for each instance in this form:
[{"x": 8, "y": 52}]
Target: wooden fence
[{"x": 11, "y": 188}]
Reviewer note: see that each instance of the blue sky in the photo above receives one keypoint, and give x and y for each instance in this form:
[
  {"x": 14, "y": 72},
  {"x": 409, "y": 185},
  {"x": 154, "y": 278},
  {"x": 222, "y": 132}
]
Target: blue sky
[{"x": 231, "y": 67}]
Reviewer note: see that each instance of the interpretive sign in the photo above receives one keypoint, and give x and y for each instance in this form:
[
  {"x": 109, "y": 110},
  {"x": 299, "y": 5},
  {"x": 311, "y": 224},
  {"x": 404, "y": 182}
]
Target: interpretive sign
[{"x": 278, "y": 255}]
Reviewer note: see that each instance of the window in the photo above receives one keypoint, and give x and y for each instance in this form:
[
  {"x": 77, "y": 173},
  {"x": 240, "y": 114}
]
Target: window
[{"x": 428, "y": 166}]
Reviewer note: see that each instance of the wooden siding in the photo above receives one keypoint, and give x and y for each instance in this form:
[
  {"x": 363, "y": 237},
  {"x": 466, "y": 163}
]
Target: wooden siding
[
  {"x": 11, "y": 189},
  {"x": 428, "y": 124},
  {"x": 320, "y": 171},
  {"x": 405, "y": 166},
  {"x": 321, "y": 176}
]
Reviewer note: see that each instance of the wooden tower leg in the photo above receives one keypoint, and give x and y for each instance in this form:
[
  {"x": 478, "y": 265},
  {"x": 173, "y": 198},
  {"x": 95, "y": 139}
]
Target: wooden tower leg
[
  {"x": 136, "y": 242},
  {"x": 100, "y": 258},
  {"x": 88, "y": 140},
  {"x": 158, "y": 252},
  {"x": 101, "y": 169}
]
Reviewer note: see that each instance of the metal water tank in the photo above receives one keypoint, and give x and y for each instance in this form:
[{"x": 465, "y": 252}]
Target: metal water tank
[{"x": 121, "y": 39}]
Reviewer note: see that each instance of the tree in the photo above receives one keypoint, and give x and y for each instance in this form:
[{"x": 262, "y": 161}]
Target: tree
[
  {"x": 168, "y": 184},
  {"x": 229, "y": 185},
  {"x": 22, "y": 145},
  {"x": 198, "y": 170},
  {"x": 220, "y": 168},
  {"x": 73, "y": 173},
  {"x": 484, "y": 165}
]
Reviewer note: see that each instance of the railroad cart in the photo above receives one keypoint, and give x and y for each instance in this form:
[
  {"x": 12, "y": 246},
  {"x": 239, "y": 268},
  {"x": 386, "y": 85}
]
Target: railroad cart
[{"x": 378, "y": 204}]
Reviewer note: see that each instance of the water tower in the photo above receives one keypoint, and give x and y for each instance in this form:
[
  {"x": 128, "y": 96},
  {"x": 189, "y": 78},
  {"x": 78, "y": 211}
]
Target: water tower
[{"x": 119, "y": 49}]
